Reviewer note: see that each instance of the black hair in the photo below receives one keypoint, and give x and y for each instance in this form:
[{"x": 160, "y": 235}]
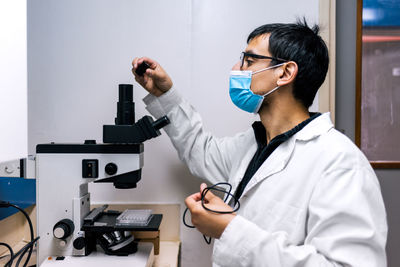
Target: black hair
[{"x": 299, "y": 43}]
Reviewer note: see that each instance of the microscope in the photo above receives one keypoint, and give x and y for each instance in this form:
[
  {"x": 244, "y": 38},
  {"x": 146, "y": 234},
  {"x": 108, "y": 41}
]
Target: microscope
[{"x": 65, "y": 222}]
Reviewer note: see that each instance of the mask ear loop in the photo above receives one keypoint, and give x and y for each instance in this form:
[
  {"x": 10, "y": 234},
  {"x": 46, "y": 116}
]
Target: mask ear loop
[
  {"x": 270, "y": 92},
  {"x": 273, "y": 90},
  {"x": 263, "y": 96},
  {"x": 268, "y": 68}
]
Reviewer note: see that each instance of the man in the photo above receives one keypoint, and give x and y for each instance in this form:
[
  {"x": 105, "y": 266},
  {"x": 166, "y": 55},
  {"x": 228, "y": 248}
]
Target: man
[{"x": 308, "y": 196}]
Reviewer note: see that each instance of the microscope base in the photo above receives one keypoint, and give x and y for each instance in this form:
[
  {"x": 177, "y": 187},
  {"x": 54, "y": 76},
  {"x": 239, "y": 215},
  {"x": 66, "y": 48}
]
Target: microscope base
[{"x": 144, "y": 257}]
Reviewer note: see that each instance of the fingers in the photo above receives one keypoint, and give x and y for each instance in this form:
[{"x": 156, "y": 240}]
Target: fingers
[
  {"x": 192, "y": 201},
  {"x": 140, "y": 79},
  {"x": 139, "y": 60},
  {"x": 202, "y": 187},
  {"x": 134, "y": 62},
  {"x": 196, "y": 197},
  {"x": 150, "y": 72},
  {"x": 208, "y": 195},
  {"x": 152, "y": 63},
  {"x": 135, "y": 74},
  {"x": 211, "y": 201}
]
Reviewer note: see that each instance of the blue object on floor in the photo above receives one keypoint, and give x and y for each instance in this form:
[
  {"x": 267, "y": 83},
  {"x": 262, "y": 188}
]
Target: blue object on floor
[{"x": 18, "y": 191}]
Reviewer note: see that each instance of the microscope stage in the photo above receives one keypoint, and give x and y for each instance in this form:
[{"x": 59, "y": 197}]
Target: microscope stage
[{"x": 106, "y": 222}]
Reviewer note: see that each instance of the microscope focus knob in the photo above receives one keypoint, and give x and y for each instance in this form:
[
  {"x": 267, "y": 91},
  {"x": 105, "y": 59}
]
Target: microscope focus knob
[
  {"x": 111, "y": 168},
  {"x": 63, "y": 229},
  {"x": 79, "y": 243}
]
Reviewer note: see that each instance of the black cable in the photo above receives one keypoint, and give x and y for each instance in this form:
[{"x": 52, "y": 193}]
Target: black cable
[
  {"x": 31, "y": 230},
  {"x": 228, "y": 193},
  {"x": 8, "y": 204},
  {"x": 25, "y": 249},
  {"x": 9, "y": 263},
  {"x": 18, "y": 253},
  {"x": 207, "y": 239},
  {"x": 184, "y": 221}
]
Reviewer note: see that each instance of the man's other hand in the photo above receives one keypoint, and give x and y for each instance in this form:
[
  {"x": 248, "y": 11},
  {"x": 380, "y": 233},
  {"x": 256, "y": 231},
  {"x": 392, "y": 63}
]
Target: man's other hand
[
  {"x": 155, "y": 80},
  {"x": 207, "y": 222}
]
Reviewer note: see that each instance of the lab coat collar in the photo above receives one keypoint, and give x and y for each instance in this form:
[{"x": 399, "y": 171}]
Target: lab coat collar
[
  {"x": 315, "y": 128},
  {"x": 279, "y": 159},
  {"x": 275, "y": 163}
]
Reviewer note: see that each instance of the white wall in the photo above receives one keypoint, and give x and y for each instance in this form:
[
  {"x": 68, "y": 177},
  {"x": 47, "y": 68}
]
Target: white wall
[
  {"x": 79, "y": 51},
  {"x": 13, "y": 80}
]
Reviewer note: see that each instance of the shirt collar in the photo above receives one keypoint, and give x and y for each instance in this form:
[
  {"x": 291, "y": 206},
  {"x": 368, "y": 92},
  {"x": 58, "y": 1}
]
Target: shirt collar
[{"x": 306, "y": 130}]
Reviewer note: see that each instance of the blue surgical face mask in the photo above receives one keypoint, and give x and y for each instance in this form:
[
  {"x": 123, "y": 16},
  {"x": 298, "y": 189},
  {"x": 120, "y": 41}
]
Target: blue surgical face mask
[{"x": 240, "y": 93}]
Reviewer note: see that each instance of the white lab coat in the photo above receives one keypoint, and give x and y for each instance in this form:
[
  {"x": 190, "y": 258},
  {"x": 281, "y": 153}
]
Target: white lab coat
[{"x": 314, "y": 202}]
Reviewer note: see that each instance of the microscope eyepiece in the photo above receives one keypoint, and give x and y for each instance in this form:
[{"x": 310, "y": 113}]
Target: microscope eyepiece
[
  {"x": 125, "y": 105},
  {"x": 125, "y": 92},
  {"x": 160, "y": 123}
]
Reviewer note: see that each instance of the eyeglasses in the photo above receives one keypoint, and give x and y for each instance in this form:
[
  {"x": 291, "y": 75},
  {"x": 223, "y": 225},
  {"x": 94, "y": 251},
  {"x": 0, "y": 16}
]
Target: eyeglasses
[{"x": 245, "y": 55}]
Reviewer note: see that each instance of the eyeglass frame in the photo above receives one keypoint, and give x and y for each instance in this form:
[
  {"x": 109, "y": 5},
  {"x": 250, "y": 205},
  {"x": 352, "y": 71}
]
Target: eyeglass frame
[{"x": 244, "y": 54}]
